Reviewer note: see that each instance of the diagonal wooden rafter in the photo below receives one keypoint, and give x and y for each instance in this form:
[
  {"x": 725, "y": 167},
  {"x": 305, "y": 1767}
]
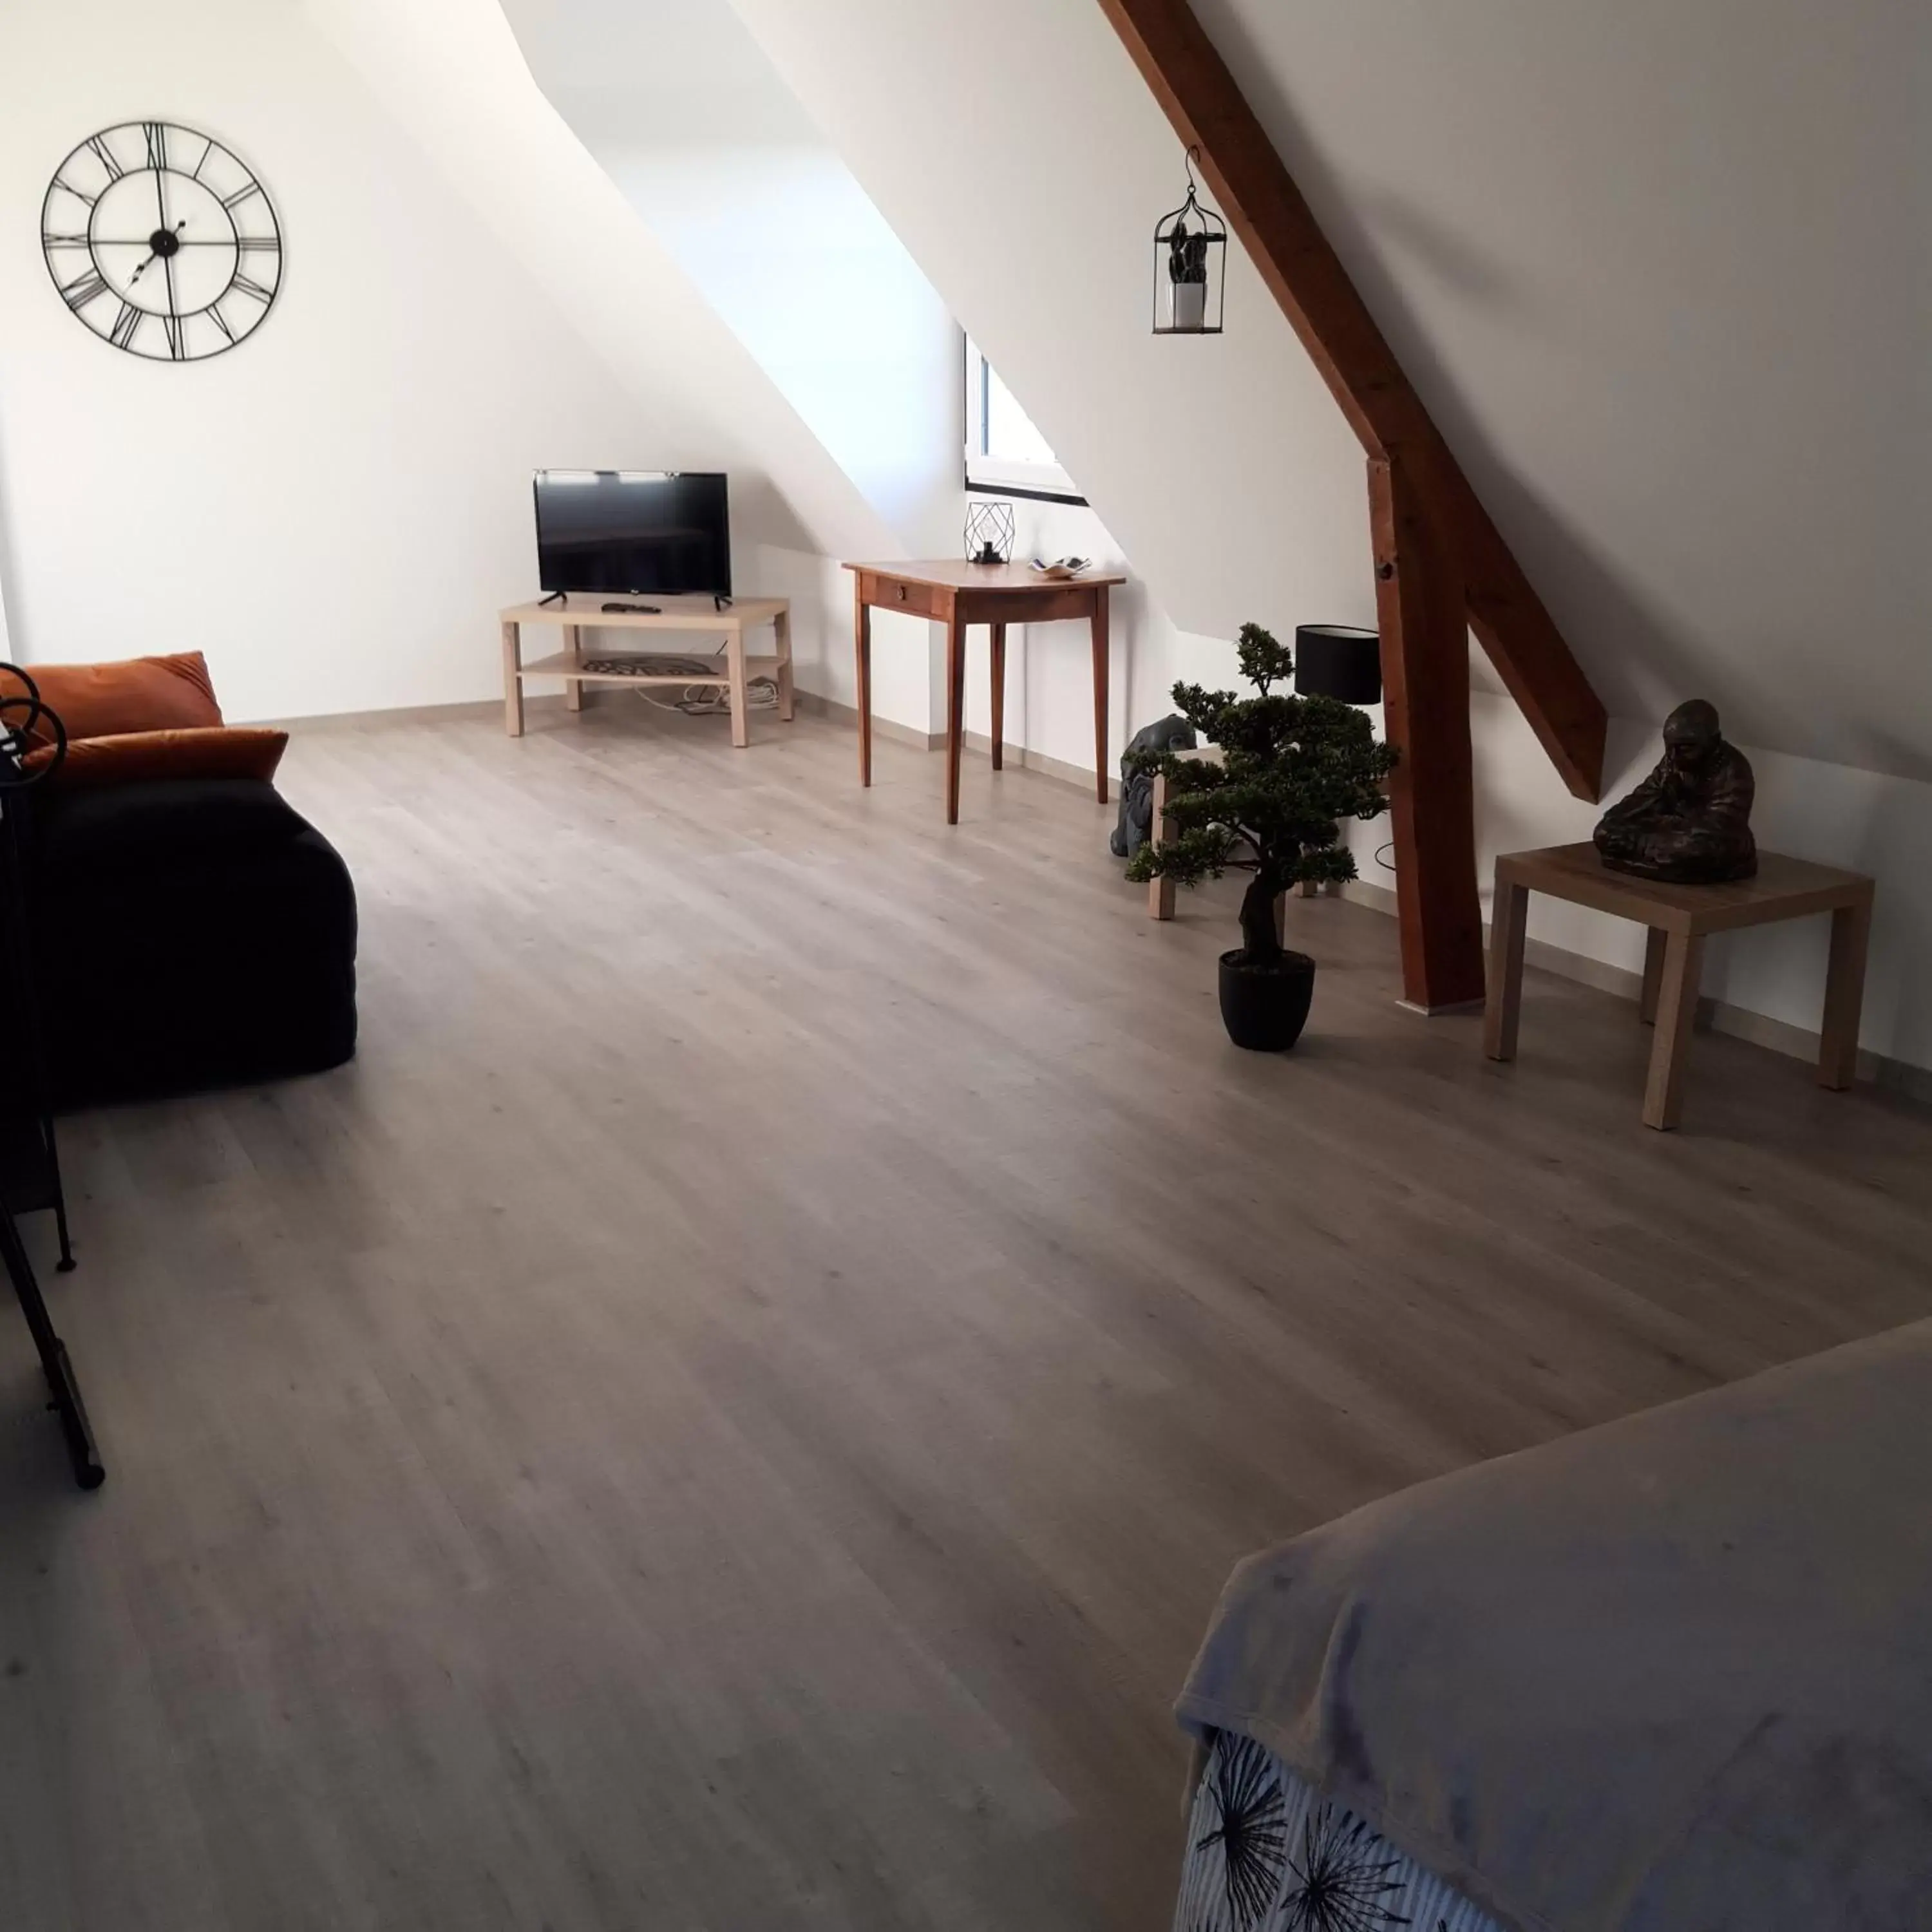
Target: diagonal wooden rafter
[{"x": 1259, "y": 196}]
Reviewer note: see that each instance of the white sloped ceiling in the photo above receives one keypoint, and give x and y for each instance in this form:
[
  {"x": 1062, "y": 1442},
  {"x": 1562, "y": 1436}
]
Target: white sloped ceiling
[
  {"x": 1664, "y": 274},
  {"x": 451, "y": 73}
]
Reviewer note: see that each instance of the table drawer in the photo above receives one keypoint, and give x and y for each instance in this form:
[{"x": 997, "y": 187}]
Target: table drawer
[{"x": 891, "y": 593}]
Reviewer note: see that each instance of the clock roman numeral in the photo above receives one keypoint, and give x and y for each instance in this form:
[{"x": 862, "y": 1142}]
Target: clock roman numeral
[
  {"x": 104, "y": 155},
  {"x": 231, "y": 201},
  {"x": 248, "y": 287},
  {"x": 127, "y": 326},
  {"x": 79, "y": 193},
  {"x": 176, "y": 335},
  {"x": 156, "y": 134},
  {"x": 49, "y": 239},
  {"x": 257, "y": 244},
  {"x": 220, "y": 322},
  {"x": 83, "y": 289}
]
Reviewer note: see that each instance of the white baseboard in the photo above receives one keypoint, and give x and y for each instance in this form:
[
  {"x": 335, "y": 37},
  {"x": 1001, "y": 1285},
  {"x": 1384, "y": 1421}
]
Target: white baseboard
[
  {"x": 1057, "y": 769},
  {"x": 978, "y": 742},
  {"x": 1897, "y": 1076},
  {"x": 816, "y": 706},
  {"x": 409, "y": 714}
]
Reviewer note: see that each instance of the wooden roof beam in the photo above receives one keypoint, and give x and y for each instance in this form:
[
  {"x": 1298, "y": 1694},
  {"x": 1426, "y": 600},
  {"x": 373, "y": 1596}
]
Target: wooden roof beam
[{"x": 1262, "y": 204}]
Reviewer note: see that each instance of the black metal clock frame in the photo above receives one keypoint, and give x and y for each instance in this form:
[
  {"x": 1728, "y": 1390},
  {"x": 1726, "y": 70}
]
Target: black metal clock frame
[{"x": 226, "y": 203}]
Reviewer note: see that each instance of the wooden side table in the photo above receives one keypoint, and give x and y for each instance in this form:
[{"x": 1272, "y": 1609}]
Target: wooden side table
[
  {"x": 1680, "y": 918},
  {"x": 729, "y": 622},
  {"x": 958, "y": 594}
]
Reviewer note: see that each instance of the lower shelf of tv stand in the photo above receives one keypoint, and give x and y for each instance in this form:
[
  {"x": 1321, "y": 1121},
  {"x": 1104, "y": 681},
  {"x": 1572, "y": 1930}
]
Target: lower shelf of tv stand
[{"x": 561, "y": 663}]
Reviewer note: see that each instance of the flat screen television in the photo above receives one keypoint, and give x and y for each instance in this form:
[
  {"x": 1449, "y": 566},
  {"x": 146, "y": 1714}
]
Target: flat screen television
[{"x": 640, "y": 531}]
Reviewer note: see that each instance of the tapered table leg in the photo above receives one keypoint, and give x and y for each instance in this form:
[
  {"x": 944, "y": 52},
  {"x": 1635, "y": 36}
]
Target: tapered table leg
[
  {"x": 956, "y": 710},
  {"x": 1103, "y": 639},
  {"x": 999, "y": 696},
  {"x": 573, "y": 687},
  {"x": 862, "y": 647}
]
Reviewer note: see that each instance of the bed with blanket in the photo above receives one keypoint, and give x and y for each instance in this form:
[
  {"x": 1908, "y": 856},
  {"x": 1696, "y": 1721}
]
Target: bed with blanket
[{"x": 1671, "y": 1675}]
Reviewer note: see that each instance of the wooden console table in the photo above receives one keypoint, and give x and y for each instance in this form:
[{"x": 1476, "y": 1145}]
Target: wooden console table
[
  {"x": 995, "y": 595},
  {"x": 1680, "y": 918},
  {"x": 670, "y": 614}
]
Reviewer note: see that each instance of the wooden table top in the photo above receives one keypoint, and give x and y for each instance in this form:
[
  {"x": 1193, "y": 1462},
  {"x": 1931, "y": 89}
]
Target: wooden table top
[
  {"x": 947, "y": 573},
  {"x": 1784, "y": 888},
  {"x": 690, "y": 613}
]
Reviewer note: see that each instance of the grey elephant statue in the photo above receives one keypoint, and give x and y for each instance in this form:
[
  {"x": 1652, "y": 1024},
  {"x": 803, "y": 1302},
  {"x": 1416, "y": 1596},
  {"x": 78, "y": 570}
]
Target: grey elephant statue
[{"x": 1135, "y": 826}]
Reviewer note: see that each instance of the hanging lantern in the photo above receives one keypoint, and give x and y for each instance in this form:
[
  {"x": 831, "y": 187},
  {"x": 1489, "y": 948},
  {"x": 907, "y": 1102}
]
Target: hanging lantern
[{"x": 1190, "y": 260}]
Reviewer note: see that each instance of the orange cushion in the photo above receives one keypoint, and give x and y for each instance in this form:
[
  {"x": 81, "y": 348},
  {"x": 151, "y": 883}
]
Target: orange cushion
[
  {"x": 223, "y": 751},
  {"x": 105, "y": 701}
]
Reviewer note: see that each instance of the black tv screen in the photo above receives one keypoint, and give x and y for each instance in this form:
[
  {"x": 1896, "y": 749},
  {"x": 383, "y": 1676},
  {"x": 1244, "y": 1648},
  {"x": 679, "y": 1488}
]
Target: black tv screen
[{"x": 633, "y": 530}]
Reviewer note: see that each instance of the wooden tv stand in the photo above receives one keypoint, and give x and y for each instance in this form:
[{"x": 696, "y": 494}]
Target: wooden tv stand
[{"x": 584, "y": 610}]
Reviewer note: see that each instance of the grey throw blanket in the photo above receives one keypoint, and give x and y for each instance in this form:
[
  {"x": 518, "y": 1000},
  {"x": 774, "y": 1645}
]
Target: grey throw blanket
[{"x": 1673, "y": 1674}]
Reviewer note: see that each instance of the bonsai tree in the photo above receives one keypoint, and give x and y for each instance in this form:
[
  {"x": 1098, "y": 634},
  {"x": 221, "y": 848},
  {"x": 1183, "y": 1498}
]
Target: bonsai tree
[{"x": 1292, "y": 768}]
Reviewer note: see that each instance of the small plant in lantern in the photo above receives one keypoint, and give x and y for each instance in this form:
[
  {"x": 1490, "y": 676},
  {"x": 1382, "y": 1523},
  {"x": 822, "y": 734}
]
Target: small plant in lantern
[{"x": 1190, "y": 248}]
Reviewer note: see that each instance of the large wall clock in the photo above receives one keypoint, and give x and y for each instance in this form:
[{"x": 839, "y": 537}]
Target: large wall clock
[{"x": 161, "y": 241}]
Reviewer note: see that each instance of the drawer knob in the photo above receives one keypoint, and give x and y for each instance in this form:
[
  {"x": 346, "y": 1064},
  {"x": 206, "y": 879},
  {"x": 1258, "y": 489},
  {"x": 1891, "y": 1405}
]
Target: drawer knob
[{"x": 902, "y": 593}]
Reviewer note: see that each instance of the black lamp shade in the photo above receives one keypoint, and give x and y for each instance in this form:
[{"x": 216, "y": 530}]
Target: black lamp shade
[{"x": 1338, "y": 660}]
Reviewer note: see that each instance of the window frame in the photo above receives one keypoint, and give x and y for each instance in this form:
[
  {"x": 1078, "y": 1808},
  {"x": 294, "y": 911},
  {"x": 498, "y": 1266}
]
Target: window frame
[{"x": 988, "y": 476}]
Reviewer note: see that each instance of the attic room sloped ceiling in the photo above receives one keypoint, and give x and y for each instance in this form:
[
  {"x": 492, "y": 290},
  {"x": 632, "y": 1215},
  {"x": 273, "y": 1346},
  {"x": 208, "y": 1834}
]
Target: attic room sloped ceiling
[{"x": 1660, "y": 273}]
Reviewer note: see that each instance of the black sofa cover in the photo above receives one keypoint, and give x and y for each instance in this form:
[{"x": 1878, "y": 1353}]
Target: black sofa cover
[{"x": 185, "y": 934}]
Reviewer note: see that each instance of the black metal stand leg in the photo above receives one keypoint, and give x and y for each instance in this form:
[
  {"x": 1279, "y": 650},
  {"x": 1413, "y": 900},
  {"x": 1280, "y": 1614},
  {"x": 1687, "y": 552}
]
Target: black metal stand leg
[
  {"x": 88, "y": 1470},
  {"x": 66, "y": 1265}
]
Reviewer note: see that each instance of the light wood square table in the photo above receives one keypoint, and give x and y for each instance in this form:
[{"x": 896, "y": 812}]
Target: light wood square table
[
  {"x": 721, "y": 617},
  {"x": 1680, "y": 919}
]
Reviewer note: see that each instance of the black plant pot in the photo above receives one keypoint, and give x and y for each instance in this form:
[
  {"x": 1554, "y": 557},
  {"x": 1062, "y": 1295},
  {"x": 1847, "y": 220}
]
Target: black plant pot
[{"x": 1265, "y": 1007}]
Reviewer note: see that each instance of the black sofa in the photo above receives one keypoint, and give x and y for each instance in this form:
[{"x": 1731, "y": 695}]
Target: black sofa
[{"x": 184, "y": 933}]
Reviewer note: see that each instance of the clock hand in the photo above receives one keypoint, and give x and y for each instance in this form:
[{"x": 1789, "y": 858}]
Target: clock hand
[{"x": 152, "y": 253}]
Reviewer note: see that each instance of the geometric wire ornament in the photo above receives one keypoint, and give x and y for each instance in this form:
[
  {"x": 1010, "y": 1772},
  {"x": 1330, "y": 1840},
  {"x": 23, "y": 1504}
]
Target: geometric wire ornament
[
  {"x": 161, "y": 241},
  {"x": 1190, "y": 260},
  {"x": 989, "y": 531}
]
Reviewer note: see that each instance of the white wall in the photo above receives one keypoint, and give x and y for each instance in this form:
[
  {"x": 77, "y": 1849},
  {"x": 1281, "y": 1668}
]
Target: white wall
[
  {"x": 334, "y": 510},
  {"x": 687, "y": 115},
  {"x": 1663, "y": 274}
]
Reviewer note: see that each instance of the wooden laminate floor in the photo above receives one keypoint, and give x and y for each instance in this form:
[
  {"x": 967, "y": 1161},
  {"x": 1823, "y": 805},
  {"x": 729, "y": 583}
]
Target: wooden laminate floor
[{"x": 733, "y": 1412}]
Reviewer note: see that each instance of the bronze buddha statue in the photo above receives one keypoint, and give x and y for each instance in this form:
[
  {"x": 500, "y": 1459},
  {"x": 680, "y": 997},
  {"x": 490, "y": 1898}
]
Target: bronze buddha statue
[{"x": 1689, "y": 821}]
